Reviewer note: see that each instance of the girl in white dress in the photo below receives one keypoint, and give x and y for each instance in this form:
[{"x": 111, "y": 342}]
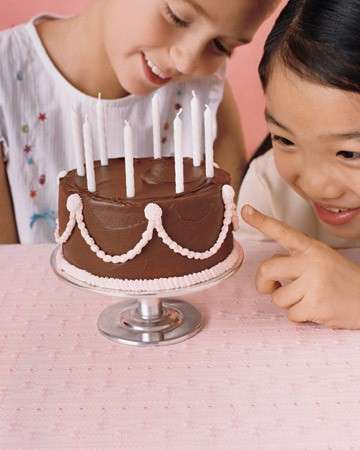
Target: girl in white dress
[{"x": 125, "y": 49}]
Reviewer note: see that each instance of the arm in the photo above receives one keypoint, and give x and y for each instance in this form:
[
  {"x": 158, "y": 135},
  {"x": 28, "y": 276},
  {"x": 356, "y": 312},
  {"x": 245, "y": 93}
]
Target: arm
[
  {"x": 229, "y": 144},
  {"x": 8, "y": 231}
]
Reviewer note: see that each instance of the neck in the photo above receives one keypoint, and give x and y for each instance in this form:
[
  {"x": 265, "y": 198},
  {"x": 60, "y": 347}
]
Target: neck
[{"x": 76, "y": 47}]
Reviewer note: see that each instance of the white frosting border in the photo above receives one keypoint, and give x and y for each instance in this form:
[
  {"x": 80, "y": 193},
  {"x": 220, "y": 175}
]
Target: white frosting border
[
  {"x": 160, "y": 284},
  {"x": 153, "y": 214}
]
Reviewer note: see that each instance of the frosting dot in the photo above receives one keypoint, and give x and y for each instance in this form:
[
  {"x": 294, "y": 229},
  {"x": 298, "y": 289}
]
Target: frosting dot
[
  {"x": 73, "y": 203},
  {"x": 153, "y": 212},
  {"x": 228, "y": 194}
]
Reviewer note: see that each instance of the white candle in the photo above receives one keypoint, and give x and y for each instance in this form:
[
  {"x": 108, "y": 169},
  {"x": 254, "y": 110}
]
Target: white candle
[
  {"x": 129, "y": 160},
  {"x": 156, "y": 126},
  {"x": 78, "y": 141},
  {"x": 209, "y": 142},
  {"x": 179, "y": 167},
  {"x": 89, "y": 159},
  {"x": 101, "y": 132},
  {"x": 196, "y": 129}
]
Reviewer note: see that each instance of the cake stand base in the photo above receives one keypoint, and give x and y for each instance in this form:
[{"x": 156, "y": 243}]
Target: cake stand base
[
  {"x": 169, "y": 322},
  {"x": 148, "y": 318}
]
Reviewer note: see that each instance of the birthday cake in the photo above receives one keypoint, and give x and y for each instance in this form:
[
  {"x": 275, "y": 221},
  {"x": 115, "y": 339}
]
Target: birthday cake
[{"x": 156, "y": 240}]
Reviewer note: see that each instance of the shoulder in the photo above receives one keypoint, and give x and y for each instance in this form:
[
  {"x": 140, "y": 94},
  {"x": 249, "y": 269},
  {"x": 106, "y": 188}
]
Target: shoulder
[
  {"x": 15, "y": 50},
  {"x": 14, "y": 42},
  {"x": 263, "y": 171},
  {"x": 258, "y": 184},
  {"x": 264, "y": 166},
  {"x": 275, "y": 197}
]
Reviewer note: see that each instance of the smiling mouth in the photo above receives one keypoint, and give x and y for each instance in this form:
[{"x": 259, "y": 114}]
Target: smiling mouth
[
  {"x": 335, "y": 216},
  {"x": 153, "y": 73}
]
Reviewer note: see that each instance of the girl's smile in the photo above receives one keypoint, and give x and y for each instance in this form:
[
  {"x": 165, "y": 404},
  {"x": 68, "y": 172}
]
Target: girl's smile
[
  {"x": 153, "y": 73},
  {"x": 333, "y": 215}
]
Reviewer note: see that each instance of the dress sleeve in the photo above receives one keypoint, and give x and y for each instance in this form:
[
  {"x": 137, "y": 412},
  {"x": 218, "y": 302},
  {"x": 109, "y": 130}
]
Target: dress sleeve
[{"x": 253, "y": 191}]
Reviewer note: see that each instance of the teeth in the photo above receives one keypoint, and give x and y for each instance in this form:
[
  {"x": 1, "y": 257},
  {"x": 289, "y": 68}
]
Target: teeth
[
  {"x": 155, "y": 69},
  {"x": 336, "y": 210}
]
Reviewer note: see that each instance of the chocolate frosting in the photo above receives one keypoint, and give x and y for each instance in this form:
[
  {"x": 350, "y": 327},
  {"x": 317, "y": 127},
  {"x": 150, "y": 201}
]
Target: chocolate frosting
[{"x": 193, "y": 218}]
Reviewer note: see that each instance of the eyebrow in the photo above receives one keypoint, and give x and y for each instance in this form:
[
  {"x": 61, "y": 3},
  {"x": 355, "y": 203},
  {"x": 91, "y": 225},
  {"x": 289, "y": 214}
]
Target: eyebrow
[
  {"x": 270, "y": 118},
  {"x": 349, "y": 135}
]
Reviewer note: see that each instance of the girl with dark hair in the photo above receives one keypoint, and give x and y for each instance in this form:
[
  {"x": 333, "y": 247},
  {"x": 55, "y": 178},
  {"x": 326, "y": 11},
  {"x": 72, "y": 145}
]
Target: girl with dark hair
[{"x": 308, "y": 185}]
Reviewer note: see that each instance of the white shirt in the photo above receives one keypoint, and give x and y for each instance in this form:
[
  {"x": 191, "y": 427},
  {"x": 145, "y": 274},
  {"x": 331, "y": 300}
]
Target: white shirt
[
  {"x": 35, "y": 126},
  {"x": 264, "y": 189}
]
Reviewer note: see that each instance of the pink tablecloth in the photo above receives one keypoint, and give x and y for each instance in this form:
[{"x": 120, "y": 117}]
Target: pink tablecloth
[{"x": 249, "y": 380}]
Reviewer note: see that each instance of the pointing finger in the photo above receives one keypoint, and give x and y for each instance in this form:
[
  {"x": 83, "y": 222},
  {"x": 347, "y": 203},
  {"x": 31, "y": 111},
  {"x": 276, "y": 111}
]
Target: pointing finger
[{"x": 291, "y": 239}]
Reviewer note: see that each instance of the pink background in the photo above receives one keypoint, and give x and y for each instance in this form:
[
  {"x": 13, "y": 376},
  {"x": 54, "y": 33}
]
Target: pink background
[{"x": 242, "y": 68}]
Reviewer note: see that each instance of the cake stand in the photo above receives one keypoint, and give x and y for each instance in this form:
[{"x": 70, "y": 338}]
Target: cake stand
[{"x": 149, "y": 318}]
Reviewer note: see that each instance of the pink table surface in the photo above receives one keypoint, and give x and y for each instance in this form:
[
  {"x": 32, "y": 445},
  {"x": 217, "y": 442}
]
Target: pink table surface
[{"x": 249, "y": 380}]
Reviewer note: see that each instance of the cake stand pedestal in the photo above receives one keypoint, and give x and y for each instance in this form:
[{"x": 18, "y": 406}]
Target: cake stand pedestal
[{"x": 149, "y": 318}]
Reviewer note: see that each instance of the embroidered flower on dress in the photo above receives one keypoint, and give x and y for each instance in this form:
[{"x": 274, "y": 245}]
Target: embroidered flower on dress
[
  {"x": 42, "y": 117},
  {"x": 178, "y": 106},
  {"x": 42, "y": 179},
  {"x": 20, "y": 76},
  {"x": 166, "y": 126},
  {"x": 33, "y": 194},
  {"x": 25, "y": 128},
  {"x": 27, "y": 148},
  {"x": 30, "y": 161},
  {"x": 163, "y": 140}
]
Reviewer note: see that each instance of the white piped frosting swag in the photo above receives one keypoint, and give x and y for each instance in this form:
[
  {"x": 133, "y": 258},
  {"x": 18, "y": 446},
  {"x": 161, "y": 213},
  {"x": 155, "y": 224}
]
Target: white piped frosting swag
[{"x": 153, "y": 214}]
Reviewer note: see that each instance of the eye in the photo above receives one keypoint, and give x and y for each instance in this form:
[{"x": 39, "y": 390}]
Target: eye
[
  {"x": 220, "y": 47},
  {"x": 349, "y": 155},
  {"x": 281, "y": 140},
  {"x": 174, "y": 18}
]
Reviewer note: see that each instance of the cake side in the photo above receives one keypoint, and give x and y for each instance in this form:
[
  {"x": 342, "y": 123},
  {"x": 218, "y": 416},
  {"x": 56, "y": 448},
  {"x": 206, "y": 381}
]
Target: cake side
[{"x": 193, "y": 220}]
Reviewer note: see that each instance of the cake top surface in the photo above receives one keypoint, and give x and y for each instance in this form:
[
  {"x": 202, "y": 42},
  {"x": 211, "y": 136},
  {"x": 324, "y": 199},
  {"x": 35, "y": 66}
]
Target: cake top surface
[{"x": 153, "y": 179}]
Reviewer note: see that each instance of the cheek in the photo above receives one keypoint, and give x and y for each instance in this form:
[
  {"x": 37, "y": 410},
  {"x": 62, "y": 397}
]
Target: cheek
[
  {"x": 208, "y": 66},
  {"x": 134, "y": 25},
  {"x": 355, "y": 183},
  {"x": 286, "y": 166}
]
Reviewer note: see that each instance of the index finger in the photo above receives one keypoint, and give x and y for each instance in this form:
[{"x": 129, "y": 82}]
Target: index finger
[{"x": 291, "y": 239}]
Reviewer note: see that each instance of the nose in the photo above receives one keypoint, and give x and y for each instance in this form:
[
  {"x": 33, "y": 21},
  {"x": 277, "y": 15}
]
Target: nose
[
  {"x": 186, "y": 58},
  {"x": 318, "y": 183}
]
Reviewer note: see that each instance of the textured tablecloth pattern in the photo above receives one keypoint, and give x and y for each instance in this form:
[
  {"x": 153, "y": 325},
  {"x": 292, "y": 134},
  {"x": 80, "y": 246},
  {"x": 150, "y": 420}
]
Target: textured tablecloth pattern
[{"x": 249, "y": 380}]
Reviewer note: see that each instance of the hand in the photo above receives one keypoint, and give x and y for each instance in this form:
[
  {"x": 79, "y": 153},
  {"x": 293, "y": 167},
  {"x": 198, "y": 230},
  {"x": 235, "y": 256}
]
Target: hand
[{"x": 321, "y": 286}]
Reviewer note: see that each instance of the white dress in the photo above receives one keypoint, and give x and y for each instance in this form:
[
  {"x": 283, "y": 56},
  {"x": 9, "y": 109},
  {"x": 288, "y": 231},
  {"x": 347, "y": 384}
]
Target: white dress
[
  {"x": 35, "y": 126},
  {"x": 264, "y": 189}
]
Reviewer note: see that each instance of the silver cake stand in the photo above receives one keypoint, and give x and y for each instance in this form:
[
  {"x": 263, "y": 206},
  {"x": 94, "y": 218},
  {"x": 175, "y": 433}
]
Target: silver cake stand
[{"x": 149, "y": 318}]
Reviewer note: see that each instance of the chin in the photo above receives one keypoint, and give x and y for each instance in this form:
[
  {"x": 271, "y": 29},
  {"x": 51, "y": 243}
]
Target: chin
[
  {"x": 134, "y": 87},
  {"x": 349, "y": 232}
]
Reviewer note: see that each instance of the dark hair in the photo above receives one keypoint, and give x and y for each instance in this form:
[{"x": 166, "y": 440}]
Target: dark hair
[{"x": 319, "y": 40}]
